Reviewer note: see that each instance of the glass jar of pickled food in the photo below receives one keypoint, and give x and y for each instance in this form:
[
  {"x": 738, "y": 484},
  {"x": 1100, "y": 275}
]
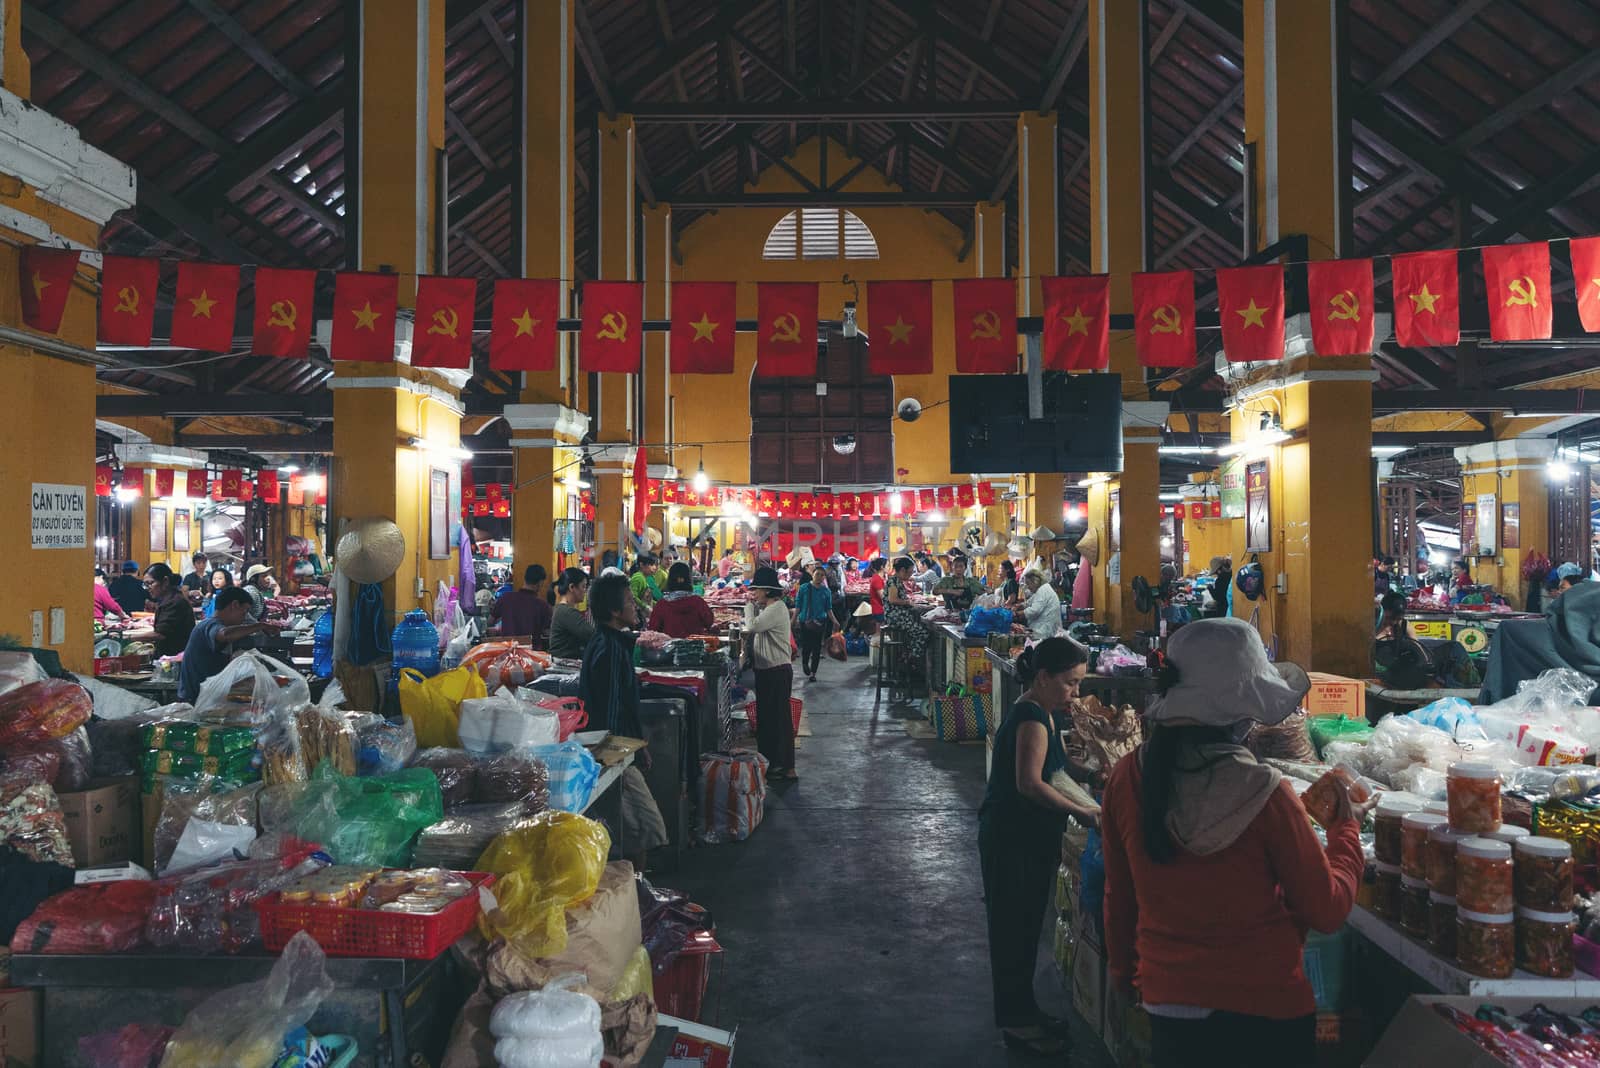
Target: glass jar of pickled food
[
  {"x": 1442, "y": 924},
  {"x": 1414, "y": 828},
  {"x": 1544, "y": 942},
  {"x": 1442, "y": 841},
  {"x": 1486, "y": 943},
  {"x": 1386, "y": 828},
  {"x": 1473, "y": 790},
  {"x": 1508, "y": 833},
  {"x": 1414, "y": 906},
  {"x": 1543, "y": 877},
  {"x": 1484, "y": 876},
  {"x": 1386, "y": 891},
  {"x": 1438, "y": 808}
]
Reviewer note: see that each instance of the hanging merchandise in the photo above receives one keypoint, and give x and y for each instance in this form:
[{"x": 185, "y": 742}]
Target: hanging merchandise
[
  {"x": 128, "y": 305},
  {"x": 364, "y": 305},
  {"x": 1250, "y": 306},
  {"x": 43, "y": 283},
  {"x": 613, "y": 317},
  {"x": 703, "y": 318},
  {"x": 1163, "y": 315},
  {"x": 284, "y": 306},
  {"x": 1077, "y": 323},
  {"x": 1341, "y": 306},
  {"x": 442, "y": 334},
  {"x": 985, "y": 325},
  {"x": 1516, "y": 279},
  {"x": 786, "y": 329},
  {"x": 203, "y": 308},
  {"x": 901, "y": 326}
]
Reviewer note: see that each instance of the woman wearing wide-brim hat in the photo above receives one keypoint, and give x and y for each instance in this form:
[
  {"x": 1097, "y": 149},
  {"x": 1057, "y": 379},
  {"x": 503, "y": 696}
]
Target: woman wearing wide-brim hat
[
  {"x": 1213, "y": 873},
  {"x": 767, "y": 630}
]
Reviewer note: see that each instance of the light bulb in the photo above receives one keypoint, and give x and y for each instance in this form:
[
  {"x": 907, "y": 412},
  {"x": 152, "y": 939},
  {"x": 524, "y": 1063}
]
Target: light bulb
[
  {"x": 701, "y": 481},
  {"x": 875, "y": 527},
  {"x": 894, "y": 502}
]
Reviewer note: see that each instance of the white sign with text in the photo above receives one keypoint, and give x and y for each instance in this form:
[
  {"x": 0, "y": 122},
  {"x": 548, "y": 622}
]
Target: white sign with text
[{"x": 60, "y": 516}]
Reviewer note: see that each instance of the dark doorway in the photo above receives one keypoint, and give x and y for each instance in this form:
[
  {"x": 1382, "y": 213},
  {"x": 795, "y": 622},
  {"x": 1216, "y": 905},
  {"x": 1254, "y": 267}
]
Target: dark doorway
[{"x": 793, "y": 430}]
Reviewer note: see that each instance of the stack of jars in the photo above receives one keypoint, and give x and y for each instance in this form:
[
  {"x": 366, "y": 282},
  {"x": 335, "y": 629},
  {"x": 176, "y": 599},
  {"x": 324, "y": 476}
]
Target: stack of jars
[
  {"x": 1479, "y": 869},
  {"x": 1386, "y": 823},
  {"x": 1545, "y": 924}
]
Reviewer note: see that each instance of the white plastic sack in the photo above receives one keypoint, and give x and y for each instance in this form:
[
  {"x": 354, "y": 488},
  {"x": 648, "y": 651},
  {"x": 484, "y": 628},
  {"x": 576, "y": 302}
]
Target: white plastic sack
[
  {"x": 550, "y": 1052},
  {"x": 252, "y": 689},
  {"x": 555, "y": 1011},
  {"x": 206, "y": 842},
  {"x": 501, "y": 721},
  {"x": 19, "y": 669},
  {"x": 113, "y": 702}
]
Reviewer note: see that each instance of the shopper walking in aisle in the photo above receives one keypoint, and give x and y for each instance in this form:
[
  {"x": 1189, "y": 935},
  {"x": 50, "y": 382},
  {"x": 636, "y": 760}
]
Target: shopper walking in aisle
[
  {"x": 1019, "y": 837},
  {"x": 681, "y": 612},
  {"x": 571, "y": 629},
  {"x": 1213, "y": 873},
  {"x": 525, "y": 611},
  {"x": 1042, "y": 610},
  {"x": 813, "y": 605},
  {"x": 766, "y": 628}
]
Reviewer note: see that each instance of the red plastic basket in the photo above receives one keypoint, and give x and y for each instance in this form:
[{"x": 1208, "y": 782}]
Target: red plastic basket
[
  {"x": 347, "y": 932},
  {"x": 796, "y": 710},
  {"x": 681, "y": 990}
]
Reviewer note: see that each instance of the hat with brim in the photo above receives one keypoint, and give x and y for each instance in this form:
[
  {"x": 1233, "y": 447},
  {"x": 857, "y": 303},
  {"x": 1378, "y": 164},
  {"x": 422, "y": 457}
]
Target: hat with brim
[
  {"x": 257, "y": 570},
  {"x": 1224, "y": 676},
  {"x": 370, "y": 549},
  {"x": 1089, "y": 547},
  {"x": 862, "y": 609},
  {"x": 766, "y": 578}
]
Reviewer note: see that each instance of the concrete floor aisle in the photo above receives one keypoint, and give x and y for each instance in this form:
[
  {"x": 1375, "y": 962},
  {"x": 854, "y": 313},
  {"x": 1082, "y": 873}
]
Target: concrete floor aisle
[{"x": 852, "y": 920}]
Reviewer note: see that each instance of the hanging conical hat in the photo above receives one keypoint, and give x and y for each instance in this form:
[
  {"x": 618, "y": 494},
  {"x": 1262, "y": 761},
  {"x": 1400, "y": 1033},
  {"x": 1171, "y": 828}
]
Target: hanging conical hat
[
  {"x": 370, "y": 549},
  {"x": 993, "y": 544},
  {"x": 653, "y": 537},
  {"x": 1043, "y": 533},
  {"x": 1089, "y": 547}
]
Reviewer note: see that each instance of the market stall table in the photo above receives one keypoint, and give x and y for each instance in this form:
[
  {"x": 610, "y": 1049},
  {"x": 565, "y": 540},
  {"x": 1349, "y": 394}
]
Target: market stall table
[
  {"x": 1382, "y": 701},
  {"x": 956, "y": 659}
]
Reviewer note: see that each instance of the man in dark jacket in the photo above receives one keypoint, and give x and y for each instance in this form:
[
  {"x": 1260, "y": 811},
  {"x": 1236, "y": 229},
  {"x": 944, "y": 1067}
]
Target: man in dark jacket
[{"x": 128, "y": 591}]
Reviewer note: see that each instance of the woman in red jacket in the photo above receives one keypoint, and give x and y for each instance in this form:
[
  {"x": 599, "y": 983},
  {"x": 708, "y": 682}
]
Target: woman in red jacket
[
  {"x": 1213, "y": 872},
  {"x": 680, "y": 612}
]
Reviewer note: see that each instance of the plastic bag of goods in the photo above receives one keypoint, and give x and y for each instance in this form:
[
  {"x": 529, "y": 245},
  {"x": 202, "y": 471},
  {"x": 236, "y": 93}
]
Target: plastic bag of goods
[
  {"x": 19, "y": 669},
  {"x": 556, "y": 1027},
  {"x": 65, "y": 763},
  {"x": 327, "y": 735},
  {"x": 251, "y": 689},
  {"x": 733, "y": 794},
  {"x": 31, "y": 822},
  {"x": 456, "y": 770},
  {"x": 1325, "y": 729},
  {"x": 517, "y": 666},
  {"x": 433, "y": 705},
  {"x": 94, "y": 918},
  {"x": 245, "y": 1026},
  {"x": 545, "y": 865},
  {"x": 1448, "y": 714},
  {"x": 199, "y": 824},
  {"x": 40, "y": 711},
  {"x": 381, "y": 746},
  {"x": 356, "y": 820},
  {"x": 212, "y": 909},
  {"x": 501, "y": 722},
  {"x": 573, "y": 773},
  {"x": 570, "y": 714}
]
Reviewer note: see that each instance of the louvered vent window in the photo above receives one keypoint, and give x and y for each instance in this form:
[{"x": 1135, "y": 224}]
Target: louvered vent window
[{"x": 819, "y": 234}]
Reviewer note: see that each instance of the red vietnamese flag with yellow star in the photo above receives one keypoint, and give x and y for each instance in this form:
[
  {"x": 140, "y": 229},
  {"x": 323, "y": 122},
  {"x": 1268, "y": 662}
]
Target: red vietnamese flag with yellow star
[
  {"x": 786, "y": 334},
  {"x": 1250, "y": 304},
  {"x": 1585, "y": 253},
  {"x": 442, "y": 333},
  {"x": 703, "y": 323},
  {"x": 900, "y": 338},
  {"x": 44, "y": 283},
  {"x": 523, "y": 334},
  {"x": 1340, "y": 292},
  {"x": 283, "y": 311},
  {"x": 613, "y": 327},
  {"x": 1077, "y": 322},
  {"x": 1427, "y": 299},
  {"x": 1163, "y": 318},
  {"x": 364, "y": 304},
  {"x": 203, "y": 306},
  {"x": 1516, "y": 279},
  {"x": 128, "y": 299},
  {"x": 986, "y": 325}
]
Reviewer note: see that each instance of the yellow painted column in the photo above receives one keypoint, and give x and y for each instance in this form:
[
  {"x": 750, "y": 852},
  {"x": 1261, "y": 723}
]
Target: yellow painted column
[
  {"x": 16, "y": 71},
  {"x": 1038, "y": 214},
  {"x": 655, "y": 248},
  {"x": 1515, "y": 472},
  {"x": 381, "y": 408},
  {"x": 615, "y": 185},
  {"x": 1139, "y": 498},
  {"x": 989, "y": 239}
]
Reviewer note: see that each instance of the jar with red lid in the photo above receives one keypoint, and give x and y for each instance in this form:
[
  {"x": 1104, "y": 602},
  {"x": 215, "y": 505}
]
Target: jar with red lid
[
  {"x": 1414, "y": 906},
  {"x": 1543, "y": 878},
  {"x": 1386, "y": 828},
  {"x": 1484, "y": 876},
  {"x": 1473, "y": 791},
  {"x": 1544, "y": 942},
  {"x": 1386, "y": 891},
  {"x": 1486, "y": 943},
  {"x": 1414, "y": 828},
  {"x": 1442, "y": 925},
  {"x": 1442, "y": 841}
]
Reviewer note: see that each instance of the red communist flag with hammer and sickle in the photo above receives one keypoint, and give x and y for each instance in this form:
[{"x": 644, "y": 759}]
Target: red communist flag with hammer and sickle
[
  {"x": 786, "y": 333},
  {"x": 1250, "y": 304},
  {"x": 283, "y": 311},
  {"x": 1163, "y": 318},
  {"x": 1077, "y": 322},
  {"x": 44, "y": 283},
  {"x": 364, "y": 304},
  {"x": 1340, "y": 292},
  {"x": 613, "y": 324},
  {"x": 442, "y": 333},
  {"x": 1427, "y": 299},
  {"x": 703, "y": 323},
  {"x": 1585, "y": 253},
  {"x": 203, "y": 306},
  {"x": 128, "y": 299},
  {"x": 986, "y": 325},
  {"x": 1516, "y": 279},
  {"x": 901, "y": 338}
]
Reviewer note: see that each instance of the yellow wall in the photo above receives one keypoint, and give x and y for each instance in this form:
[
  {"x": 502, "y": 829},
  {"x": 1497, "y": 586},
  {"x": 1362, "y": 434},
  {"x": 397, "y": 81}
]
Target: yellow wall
[
  {"x": 139, "y": 538},
  {"x": 1529, "y": 491},
  {"x": 1207, "y": 538},
  {"x": 727, "y": 245}
]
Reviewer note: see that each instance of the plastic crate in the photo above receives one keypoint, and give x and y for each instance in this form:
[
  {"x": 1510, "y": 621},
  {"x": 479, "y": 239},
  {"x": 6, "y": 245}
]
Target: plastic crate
[
  {"x": 681, "y": 990},
  {"x": 796, "y": 710},
  {"x": 350, "y": 932}
]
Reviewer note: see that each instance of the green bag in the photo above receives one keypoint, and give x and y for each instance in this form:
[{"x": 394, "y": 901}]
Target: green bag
[
  {"x": 356, "y": 820},
  {"x": 1325, "y": 729}
]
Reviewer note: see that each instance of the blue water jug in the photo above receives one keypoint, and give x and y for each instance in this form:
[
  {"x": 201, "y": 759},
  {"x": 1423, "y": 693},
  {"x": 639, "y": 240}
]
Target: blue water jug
[
  {"x": 322, "y": 644},
  {"x": 416, "y": 645}
]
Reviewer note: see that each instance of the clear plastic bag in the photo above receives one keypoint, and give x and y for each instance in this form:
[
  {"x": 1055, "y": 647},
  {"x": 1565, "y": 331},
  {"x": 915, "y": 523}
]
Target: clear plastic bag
[
  {"x": 19, "y": 669},
  {"x": 355, "y": 820},
  {"x": 383, "y": 747},
  {"x": 545, "y": 865},
  {"x": 199, "y": 825},
  {"x": 513, "y": 777},
  {"x": 118, "y": 744},
  {"x": 251, "y": 690},
  {"x": 213, "y": 910},
  {"x": 557, "y": 1011},
  {"x": 456, "y": 771},
  {"x": 573, "y": 773},
  {"x": 500, "y": 722},
  {"x": 40, "y": 711},
  {"x": 244, "y": 1026}
]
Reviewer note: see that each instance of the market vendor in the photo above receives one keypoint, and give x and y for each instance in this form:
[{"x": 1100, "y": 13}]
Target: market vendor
[
  {"x": 174, "y": 620},
  {"x": 570, "y": 627},
  {"x": 958, "y": 588},
  {"x": 259, "y": 586},
  {"x": 681, "y": 612},
  {"x": 727, "y": 565},
  {"x": 105, "y": 605},
  {"x": 767, "y": 629},
  {"x": 645, "y": 585},
  {"x": 1213, "y": 872},
  {"x": 1042, "y": 610},
  {"x": 195, "y": 582},
  {"x": 210, "y": 645},
  {"x": 128, "y": 591}
]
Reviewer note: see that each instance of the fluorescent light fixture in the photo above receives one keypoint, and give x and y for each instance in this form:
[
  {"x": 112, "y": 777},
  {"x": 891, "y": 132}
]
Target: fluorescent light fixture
[
  {"x": 1389, "y": 450},
  {"x": 453, "y": 452},
  {"x": 1170, "y": 497},
  {"x": 314, "y": 482},
  {"x": 1555, "y": 470},
  {"x": 936, "y": 517},
  {"x": 1518, "y": 413},
  {"x": 1438, "y": 559},
  {"x": 1093, "y": 480},
  {"x": 1268, "y": 437},
  {"x": 288, "y": 469},
  {"x": 1187, "y": 450},
  {"x": 126, "y": 494},
  {"x": 1072, "y": 513}
]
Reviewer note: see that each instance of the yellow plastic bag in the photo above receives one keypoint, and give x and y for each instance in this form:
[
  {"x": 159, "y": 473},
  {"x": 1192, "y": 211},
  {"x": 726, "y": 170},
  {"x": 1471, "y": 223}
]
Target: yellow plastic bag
[
  {"x": 545, "y": 865},
  {"x": 636, "y": 978},
  {"x": 434, "y": 705}
]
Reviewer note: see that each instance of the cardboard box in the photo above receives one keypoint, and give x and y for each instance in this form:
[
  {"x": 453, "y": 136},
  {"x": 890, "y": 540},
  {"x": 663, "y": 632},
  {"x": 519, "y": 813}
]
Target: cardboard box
[
  {"x": 19, "y": 1027},
  {"x": 1089, "y": 981},
  {"x": 698, "y": 1046},
  {"x": 1336, "y": 695},
  {"x": 1420, "y": 1038},
  {"x": 103, "y": 821}
]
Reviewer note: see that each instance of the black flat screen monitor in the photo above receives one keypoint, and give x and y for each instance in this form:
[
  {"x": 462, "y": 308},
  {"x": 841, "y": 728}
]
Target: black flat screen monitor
[{"x": 990, "y": 429}]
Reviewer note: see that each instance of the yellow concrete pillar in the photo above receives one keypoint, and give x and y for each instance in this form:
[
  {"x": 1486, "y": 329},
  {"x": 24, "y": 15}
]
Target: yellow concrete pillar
[
  {"x": 655, "y": 388},
  {"x": 615, "y": 404},
  {"x": 1515, "y": 473},
  {"x": 380, "y": 409},
  {"x": 16, "y": 71},
  {"x": 1139, "y": 499},
  {"x": 1038, "y": 214},
  {"x": 989, "y": 239}
]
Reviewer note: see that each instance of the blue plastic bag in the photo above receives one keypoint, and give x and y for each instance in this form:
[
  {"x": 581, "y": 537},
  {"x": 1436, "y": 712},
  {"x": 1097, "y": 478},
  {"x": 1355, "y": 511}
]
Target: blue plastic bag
[
  {"x": 985, "y": 621},
  {"x": 573, "y": 773},
  {"x": 1448, "y": 714},
  {"x": 1092, "y": 877}
]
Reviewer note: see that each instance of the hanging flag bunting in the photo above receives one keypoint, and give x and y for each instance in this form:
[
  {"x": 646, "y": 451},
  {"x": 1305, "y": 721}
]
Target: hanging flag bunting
[
  {"x": 502, "y": 509},
  {"x": 203, "y": 306},
  {"x": 945, "y": 496},
  {"x": 688, "y": 497},
  {"x": 703, "y": 323},
  {"x": 655, "y": 491},
  {"x": 522, "y": 332},
  {"x": 1216, "y": 508},
  {"x": 766, "y": 502},
  {"x": 966, "y": 496},
  {"x": 613, "y": 317},
  {"x": 669, "y": 492},
  {"x": 825, "y": 505},
  {"x": 128, "y": 299},
  {"x": 785, "y": 504},
  {"x": 1427, "y": 299},
  {"x": 44, "y": 282},
  {"x": 845, "y": 506},
  {"x": 1585, "y": 252},
  {"x": 927, "y": 500},
  {"x": 104, "y": 476},
  {"x": 1250, "y": 304},
  {"x": 901, "y": 332},
  {"x": 164, "y": 480},
  {"x": 267, "y": 486},
  {"x": 442, "y": 333},
  {"x": 1077, "y": 322},
  {"x": 247, "y": 489},
  {"x": 493, "y": 491},
  {"x": 806, "y": 505},
  {"x": 1516, "y": 279},
  {"x": 283, "y": 311},
  {"x": 986, "y": 493},
  {"x": 1197, "y": 510},
  {"x": 786, "y": 333},
  {"x": 297, "y": 490},
  {"x": 480, "y": 508},
  {"x": 364, "y": 305},
  {"x": 232, "y": 484},
  {"x": 986, "y": 325},
  {"x": 133, "y": 481},
  {"x": 195, "y": 485},
  {"x": 1340, "y": 292},
  {"x": 1163, "y": 317}
]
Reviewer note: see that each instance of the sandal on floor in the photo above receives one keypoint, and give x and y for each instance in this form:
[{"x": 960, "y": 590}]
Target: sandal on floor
[{"x": 1038, "y": 1045}]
